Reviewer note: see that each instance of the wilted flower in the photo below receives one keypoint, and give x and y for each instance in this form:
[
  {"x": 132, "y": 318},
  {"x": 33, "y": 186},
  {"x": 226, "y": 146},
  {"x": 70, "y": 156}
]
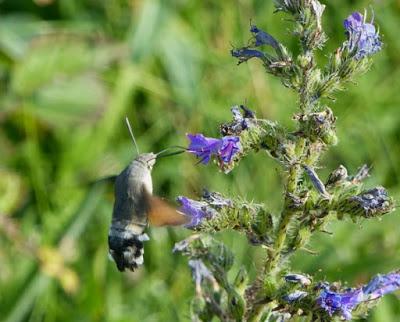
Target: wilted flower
[
  {"x": 362, "y": 37},
  {"x": 263, "y": 38},
  {"x": 216, "y": 200},
  {"x": 339, "y": 175},
  {"x": 342, "y": 303},
  {"x": 318, "y": 9},
  {"x": 204, "y": 147},
  {"x": 373, "y": 202},
  {"x": 243, "y": 118},
  {"x": 196, "y": 210},
  {"x": 199, "y": 272},
  {"x": 244, "y": 54},
  {"x": 295, "y": 296},
  {"x": 316, "y": 181},
  {"x": 362, "y": 173},
  {"x": 298, "y": 278}
]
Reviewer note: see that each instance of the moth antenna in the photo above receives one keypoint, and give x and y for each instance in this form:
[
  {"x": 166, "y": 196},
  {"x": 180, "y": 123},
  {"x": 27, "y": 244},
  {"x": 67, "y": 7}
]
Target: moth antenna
[{"x": 131, "y": 133}]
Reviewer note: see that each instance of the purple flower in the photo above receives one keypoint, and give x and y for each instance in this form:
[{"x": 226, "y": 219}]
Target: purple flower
[
  {"x": 204, "y": 147},
  {"x": 382, "y": 284},
  {"x": 230, "y": 146},
  {"x": 196, "y": 210},
  {"x": 362, "y": 37},
  {"x": 342, "y": 303}
]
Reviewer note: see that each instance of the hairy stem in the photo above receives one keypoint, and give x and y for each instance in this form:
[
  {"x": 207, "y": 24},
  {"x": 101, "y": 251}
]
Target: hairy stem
[{"x": 287, "y": 212}]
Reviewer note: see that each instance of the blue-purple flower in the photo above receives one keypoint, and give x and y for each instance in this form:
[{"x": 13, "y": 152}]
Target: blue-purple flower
[
  {"x": 381, "y": 285},
  {"x": 196, "y": 210},
  {"x": 341, "y": 303},
  {"x": 203, "y": 147},
  {"x": 362, "y": 36},
  {"x": 230, "y": 146}
]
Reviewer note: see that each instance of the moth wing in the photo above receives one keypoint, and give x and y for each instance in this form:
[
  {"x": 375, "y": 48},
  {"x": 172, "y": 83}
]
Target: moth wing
[{"x": 163, "y": 214}]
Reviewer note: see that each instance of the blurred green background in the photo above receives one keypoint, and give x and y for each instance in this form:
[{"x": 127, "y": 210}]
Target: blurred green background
[{"x": 70, "y": 70}]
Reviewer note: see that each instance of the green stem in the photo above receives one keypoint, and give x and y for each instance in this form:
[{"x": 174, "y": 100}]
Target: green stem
[
  {"x": 274, "y": 253},
  {"x": 287, "y": 213}
]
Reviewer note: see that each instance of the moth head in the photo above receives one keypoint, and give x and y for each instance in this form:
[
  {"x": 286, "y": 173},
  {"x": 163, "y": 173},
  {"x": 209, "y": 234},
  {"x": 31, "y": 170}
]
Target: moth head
[{"x": 148, "y": 159}]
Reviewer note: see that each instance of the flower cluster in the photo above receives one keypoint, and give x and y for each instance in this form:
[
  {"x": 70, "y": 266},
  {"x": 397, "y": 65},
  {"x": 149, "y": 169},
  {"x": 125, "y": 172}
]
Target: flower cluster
[
  {"x": 309, "y": 202},
  {"x": 363, "y": 39},
  {"x": 344, "y": 303}
]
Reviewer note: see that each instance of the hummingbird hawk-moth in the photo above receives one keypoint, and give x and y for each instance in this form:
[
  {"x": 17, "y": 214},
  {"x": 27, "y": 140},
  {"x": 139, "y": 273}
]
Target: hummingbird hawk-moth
[{"x": 135, "y": 208}]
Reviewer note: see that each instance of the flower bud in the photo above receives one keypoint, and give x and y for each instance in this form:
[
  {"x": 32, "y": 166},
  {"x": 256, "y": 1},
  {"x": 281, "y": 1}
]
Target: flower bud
[
  {"x": 320, "y": 126},
  {"x": 241, "y": 280},
  {"x": 261, "y": 228},
  {"x": 337, "y": 176},
  {"x": 304, "y": 60},
  {"x": 236, "y": 305},
  {"x": 362, "y": 174}
]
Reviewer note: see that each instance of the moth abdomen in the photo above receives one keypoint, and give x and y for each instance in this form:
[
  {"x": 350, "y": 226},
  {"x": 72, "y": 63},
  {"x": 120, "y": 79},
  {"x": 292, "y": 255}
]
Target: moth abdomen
[{"x": 126, "y": 248}]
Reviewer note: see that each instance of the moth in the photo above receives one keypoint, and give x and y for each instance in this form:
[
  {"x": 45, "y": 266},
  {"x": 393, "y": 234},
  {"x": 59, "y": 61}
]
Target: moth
[{"x": 135, "y": 208}]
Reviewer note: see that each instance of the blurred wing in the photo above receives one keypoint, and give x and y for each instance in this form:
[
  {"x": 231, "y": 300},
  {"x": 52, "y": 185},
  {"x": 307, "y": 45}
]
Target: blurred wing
[{"x": 162, "y": 214}]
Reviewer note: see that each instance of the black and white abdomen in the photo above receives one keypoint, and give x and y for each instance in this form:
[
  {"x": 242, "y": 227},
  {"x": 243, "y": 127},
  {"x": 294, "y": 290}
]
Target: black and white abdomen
[{"x": 126, "y": 248}]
